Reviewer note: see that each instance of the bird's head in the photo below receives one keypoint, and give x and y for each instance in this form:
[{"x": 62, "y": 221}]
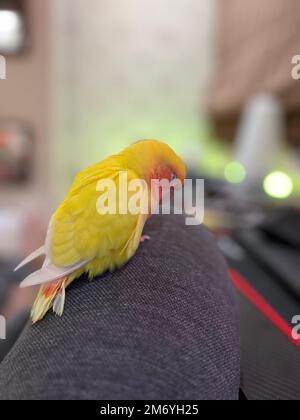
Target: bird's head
[{"x": 153, "y": 159}]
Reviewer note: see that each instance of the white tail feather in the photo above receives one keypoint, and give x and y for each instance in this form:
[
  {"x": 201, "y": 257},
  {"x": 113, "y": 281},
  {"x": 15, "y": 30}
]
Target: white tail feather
[
  {"x": 37, "y": 253},
  {"x": 59, "y": 302},
  {"x": 50, "y": 273}
]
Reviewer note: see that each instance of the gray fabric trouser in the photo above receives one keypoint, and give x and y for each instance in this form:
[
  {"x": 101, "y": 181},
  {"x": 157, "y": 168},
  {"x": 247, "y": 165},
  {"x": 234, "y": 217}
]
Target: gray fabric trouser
[{"x": 163, "y": 327}]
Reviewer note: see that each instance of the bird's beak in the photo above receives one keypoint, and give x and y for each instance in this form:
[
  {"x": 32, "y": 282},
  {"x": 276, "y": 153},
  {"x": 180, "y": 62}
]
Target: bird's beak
[{"x": 176, "y": 184}]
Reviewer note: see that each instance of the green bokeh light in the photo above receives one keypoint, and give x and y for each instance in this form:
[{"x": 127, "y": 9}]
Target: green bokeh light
[{"x": 235, "y": 172}]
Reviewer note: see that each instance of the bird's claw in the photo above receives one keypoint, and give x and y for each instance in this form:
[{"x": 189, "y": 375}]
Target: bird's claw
[{"x": 145, "y": 238}]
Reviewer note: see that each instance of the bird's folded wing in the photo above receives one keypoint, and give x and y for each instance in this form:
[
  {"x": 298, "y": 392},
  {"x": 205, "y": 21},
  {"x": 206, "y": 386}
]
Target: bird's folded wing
[{"x": 79, "y": 233}]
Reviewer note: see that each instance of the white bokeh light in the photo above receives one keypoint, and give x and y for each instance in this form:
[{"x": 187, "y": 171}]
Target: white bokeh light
[
  {"x": 278, "y": 185},
  {"x": 11, "y": 31}
]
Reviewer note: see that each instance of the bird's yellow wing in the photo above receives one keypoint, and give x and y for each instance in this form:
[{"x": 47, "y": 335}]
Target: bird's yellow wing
[{"x": 79, "y": 233}]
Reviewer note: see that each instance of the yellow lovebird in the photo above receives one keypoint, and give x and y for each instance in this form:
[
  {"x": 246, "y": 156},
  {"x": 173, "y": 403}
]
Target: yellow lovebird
[{"x": 84, "y": 237}]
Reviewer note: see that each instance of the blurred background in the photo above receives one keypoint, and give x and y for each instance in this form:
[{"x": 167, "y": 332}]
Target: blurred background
[{"x": 217, "y": 79}]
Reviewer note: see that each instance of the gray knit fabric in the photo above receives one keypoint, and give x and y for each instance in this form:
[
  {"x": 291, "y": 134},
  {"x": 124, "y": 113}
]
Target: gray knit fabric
[{"x": 163, "y": 327}]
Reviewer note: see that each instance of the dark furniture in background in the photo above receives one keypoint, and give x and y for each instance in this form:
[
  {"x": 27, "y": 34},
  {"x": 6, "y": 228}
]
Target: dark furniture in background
[{"x": 252, "y": 60}]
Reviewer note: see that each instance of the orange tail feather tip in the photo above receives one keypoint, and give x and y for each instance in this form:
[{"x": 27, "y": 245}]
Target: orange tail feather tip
[{"x": 50, "y": 295}]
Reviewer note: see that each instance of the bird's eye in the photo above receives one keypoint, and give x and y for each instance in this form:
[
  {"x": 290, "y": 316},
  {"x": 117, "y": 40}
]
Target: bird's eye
[{"x": 173, "y": 177}]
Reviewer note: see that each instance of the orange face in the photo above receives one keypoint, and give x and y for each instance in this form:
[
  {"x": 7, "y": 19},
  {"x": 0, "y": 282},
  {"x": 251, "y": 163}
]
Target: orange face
[
  {"x": 166, "y": 166},
  {"x": 156, "y": 160}
]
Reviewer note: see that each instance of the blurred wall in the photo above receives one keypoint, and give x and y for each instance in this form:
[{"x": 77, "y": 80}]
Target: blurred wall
[
  {"x": 24, "y": 95},
  {"x": 124, "y": 70}
]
